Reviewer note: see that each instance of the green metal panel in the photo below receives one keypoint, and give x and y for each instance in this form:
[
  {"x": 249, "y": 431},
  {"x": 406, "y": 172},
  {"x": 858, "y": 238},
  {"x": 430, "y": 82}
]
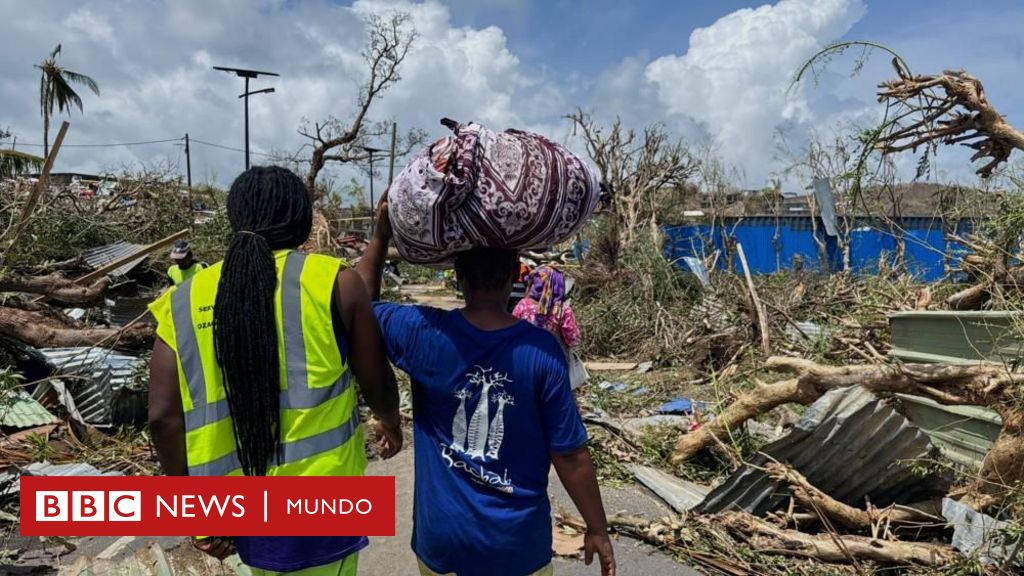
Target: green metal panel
[
  {"x": 965, "y": 433},
  {"x": 19, "y": 410},
  {"x": 957, "y": 336}
]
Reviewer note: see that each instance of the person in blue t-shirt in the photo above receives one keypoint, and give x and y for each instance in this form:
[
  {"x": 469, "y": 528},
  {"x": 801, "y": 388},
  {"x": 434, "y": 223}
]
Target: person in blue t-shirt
[{"x": 492, "y": 411}]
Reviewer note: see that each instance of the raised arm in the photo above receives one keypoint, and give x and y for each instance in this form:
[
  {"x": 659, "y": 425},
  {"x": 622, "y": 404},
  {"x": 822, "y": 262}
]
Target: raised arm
[
  {"x": 371, "y": 264},
  {"x": 368, "y": 361}
]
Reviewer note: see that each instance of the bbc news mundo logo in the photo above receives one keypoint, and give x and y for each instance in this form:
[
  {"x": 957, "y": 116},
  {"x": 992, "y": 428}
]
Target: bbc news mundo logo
[
  {"x": 88, "y": 506},
  {"x": 183, "y": 505}
]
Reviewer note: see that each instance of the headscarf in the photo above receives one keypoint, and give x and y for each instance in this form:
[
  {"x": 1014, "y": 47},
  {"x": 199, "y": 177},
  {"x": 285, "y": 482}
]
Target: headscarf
[{"x": 547, "y": 289}]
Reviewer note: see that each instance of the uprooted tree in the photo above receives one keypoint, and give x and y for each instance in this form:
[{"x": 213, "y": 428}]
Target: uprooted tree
[
  {"x": 924, "y": 110},
  {"x": 335, "y": 140},
  {"x": 639, "y": 168}
]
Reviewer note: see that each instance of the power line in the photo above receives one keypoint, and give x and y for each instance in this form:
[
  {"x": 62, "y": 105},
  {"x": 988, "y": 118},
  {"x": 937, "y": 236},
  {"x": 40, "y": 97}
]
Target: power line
[
  {"x": 239, "y": 150},
  {"x": 113, "y": 145}
]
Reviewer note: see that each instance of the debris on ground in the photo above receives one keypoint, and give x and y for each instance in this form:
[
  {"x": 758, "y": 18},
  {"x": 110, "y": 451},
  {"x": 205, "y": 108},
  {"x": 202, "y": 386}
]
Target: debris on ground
[{"x": 680, "y": 495}]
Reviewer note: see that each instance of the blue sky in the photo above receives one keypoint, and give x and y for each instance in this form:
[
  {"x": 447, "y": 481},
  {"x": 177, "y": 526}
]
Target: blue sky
[{"x": 707, "y": 70}]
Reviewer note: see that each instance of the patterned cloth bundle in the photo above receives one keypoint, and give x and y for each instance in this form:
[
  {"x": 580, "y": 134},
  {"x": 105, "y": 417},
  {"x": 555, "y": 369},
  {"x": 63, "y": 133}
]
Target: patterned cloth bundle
[{"x": 510, "y": 189}]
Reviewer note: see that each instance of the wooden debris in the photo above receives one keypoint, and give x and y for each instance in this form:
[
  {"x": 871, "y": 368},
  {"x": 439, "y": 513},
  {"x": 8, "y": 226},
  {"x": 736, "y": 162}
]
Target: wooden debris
[
  {"x": 565, "y": 544},
  {"x": 758, "y": 307},
  {"x": 845, "y": 515},
  {"x": 56, "y": 287},
  {"x": 769, "y": 539},
  {"x": 610, "y": 366},
  {"x": 43, "y": 331}
]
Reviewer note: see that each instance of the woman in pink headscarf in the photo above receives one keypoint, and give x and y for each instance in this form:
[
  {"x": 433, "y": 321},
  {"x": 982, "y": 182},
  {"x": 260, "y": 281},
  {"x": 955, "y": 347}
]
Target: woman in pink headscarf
[{"x": 547, "y": 307}]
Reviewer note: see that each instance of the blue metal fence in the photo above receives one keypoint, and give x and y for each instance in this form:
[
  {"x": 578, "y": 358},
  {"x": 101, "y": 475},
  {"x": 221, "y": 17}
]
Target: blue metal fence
[{"x": 774, "y": 244}]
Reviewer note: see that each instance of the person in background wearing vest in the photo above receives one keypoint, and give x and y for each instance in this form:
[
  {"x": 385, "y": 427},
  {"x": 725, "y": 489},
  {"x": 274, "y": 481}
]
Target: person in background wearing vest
[
  {"x": 185, "y": 265},
  {"x": 492, "y": 412},
  {"x": 224, "y": 330}
]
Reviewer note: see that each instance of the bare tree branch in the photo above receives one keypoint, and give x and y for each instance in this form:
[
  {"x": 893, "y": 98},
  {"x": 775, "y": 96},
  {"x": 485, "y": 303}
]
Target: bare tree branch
[
  {"x": 388, "y": 43},
  {"x": 637, "y": 168},
  {"x": 951, "y": 109}
]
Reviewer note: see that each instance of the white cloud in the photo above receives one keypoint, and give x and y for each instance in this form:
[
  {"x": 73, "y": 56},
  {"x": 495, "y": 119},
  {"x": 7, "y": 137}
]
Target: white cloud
[
  {"x": 153, "y": 63},
  {"x": 734, "y": 77}
]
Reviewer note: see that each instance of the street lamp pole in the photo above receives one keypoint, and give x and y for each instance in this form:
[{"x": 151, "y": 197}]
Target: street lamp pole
[
  {"x": 247, "y": 75},
  {"x": 373, "y": 207}
]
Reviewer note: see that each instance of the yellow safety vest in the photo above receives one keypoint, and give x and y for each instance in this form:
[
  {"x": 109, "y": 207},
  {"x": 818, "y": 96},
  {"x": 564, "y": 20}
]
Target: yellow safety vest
[
  {"x": 320, "y": 431},
  {"x": 179, "y": 275}
]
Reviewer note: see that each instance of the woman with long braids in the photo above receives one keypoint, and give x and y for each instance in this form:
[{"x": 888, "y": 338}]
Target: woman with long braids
[{"x": 253, "y": 369}]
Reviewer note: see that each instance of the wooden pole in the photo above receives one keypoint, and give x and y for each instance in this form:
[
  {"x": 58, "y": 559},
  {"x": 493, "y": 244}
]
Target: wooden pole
[
  {"x": 144, "y": 251},
  {"x": 391, "y": 165},
  {"x": 762, "y": 320},
  {"x": 188, "y": 166},
  {"x": 188, "y": 174}
]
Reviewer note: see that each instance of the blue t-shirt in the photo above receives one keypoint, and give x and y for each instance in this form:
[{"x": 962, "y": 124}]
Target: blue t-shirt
[
  {"x": 291, "y": 553},
  {"x": 488, "y": 409}
]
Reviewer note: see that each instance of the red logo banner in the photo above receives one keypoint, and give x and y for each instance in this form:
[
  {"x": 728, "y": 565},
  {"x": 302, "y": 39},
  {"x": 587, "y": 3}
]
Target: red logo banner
[{"x": 210, "y": 505}]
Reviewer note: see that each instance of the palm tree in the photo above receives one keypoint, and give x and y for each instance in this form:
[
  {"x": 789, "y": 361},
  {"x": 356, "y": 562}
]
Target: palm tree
[{"x": 55, "y": 90}]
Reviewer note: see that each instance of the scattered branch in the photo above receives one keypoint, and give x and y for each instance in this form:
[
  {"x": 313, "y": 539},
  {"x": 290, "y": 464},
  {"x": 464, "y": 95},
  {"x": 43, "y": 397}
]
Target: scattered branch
[{"x": 948, "y": 108}]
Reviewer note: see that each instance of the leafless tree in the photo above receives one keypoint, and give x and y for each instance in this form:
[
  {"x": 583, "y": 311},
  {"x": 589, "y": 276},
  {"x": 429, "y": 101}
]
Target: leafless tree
[
  {"x": 333, "y": 140},
  {"x": 638, "y": 167}
]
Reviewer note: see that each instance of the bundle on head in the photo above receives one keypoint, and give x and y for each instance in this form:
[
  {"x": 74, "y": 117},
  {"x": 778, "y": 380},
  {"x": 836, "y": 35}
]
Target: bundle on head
[{"x": 269, "y": 209}]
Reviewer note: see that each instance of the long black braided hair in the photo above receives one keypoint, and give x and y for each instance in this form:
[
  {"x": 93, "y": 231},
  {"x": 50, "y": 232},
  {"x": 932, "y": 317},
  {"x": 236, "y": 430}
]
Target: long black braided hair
[{"x": 269, "y": 209}]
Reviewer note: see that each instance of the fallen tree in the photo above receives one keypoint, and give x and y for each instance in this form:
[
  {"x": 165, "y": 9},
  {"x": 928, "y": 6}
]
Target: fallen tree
[
  {"x": 989, "y": 385},
  {"x": 56, "y": 287},
  {"x": 947, "y": 108},
  {"x": 41, "y": 330}
]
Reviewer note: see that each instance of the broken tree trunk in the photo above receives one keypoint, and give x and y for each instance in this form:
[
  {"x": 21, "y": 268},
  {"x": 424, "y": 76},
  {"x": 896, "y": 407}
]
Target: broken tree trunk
[
  {"x": 832, "y": 547},
  {"x": 856, "y": 519},
  {"x": 763, "y": 398},
  {"x": 43, "y": 331},
  {"x": 972, "y": 298},
  {"x": 990, "y": 385},
  {"x": 56, "y": 287}
]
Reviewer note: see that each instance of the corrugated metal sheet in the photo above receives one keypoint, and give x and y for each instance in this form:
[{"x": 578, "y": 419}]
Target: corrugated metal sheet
[
  {"x": 19, "y": 410},
  {"x": 9, "y": 479},
  {"x": 964, "y": 433},
  {"x": 73, "y": 469},
  {"x": 129, "y": 308},
  {"x": 850, "y": 445},
  {"x": 100, "y": 257},
  {"x": 826, "y": 204},
  {"x": 94, "y": 376}
]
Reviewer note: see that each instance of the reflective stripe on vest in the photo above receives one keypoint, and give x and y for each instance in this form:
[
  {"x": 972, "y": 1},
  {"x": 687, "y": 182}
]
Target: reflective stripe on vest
[{"x": 297, "y": 396}]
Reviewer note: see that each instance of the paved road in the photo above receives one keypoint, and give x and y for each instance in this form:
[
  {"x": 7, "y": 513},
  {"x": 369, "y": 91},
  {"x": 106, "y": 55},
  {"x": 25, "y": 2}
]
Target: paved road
[{"x": 392, "y": 556}]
